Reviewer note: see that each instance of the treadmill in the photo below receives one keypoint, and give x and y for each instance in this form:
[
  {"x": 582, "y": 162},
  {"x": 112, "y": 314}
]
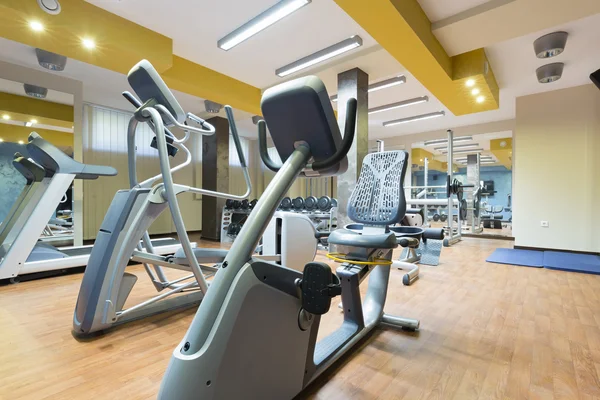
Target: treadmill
[{"x": 20, "y": 251}]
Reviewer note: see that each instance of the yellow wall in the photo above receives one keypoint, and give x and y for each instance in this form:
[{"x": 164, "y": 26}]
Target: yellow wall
[{"x": 557, "y": 169}]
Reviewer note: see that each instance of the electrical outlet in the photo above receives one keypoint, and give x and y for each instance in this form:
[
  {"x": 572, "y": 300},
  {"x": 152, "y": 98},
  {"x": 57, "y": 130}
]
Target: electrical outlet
[{"x": 545, "y": 224}]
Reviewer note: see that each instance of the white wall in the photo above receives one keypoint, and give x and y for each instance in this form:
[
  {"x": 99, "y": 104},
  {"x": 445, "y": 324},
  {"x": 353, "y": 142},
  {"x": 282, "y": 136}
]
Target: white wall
[{"x": 557, "y": 169}]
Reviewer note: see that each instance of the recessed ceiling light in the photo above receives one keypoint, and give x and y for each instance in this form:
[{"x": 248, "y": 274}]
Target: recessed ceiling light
[
  {"x": 33, "y": 121},
  {"x": 415, "y": 118},
  {"x": 470, "y": 82},
  {"x": 6, "y": 117},
  {"x": 36, "y": 26},
  {"x": 475, "y": 92},
  {"x": 373, "y": 87},
  {"x": 88, "y": 43},
  {"x": 480, "y": 99},
  {"x": 50, "y": 6},
  {"x": 28, "y": 124},
  {"x": 320, "y": 56},
  {"x": 260, "y": 22},
  {"x": 400, "y": 104},
  {"x": 1, "y": 140},
  {"x": 21, "y": 142}
]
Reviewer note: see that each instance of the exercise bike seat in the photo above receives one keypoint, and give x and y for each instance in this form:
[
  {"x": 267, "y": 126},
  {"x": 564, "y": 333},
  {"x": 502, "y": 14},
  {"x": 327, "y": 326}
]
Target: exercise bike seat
[
  {"x": 345, "y": 237},
  {"x": 204, "y": 256}
]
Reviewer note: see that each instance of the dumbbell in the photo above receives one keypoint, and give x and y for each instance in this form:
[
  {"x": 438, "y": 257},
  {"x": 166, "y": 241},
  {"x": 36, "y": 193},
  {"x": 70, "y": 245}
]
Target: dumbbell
[
  {"x": 245, "y": 204},
  {"x": 436, "y": 217},
  {"x": 310, "y": 203},
  {"x": 253, "y": 203},
  {"x": 229, "y": 203},
  {"x": 286, "y": 204},
  {"x": 443, "y": 217},
  {"x": 236, "y": 204},
  {"x": 334, "y": 203},
  {"x": 298, "y": 203},
  {"x": 234, "y": 229},
  {"x": 325, "y": 203}
]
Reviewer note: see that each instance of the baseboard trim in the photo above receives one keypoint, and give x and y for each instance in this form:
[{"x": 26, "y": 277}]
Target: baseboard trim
[
  {"x": 488, "y": 236},
  {"x": 563, "y": 250}
]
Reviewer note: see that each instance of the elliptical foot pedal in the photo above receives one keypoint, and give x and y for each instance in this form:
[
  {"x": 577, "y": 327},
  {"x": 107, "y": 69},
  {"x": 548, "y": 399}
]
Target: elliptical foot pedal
[{"x": 318, "y": 286}]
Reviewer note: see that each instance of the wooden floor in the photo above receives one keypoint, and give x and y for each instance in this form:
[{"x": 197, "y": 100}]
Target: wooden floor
[{"x": 488, "y": 331}]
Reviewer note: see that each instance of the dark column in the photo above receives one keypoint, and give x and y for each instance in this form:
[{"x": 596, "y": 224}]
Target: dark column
[
  {"x": 215, "y": 176},
  {"x": 352, "y": 84}
]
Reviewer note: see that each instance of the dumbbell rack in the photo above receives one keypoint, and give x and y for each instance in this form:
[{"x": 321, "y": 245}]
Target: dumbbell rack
[
  {"x": 310, "y": 208},
  {"x": 234, "y": 212}
]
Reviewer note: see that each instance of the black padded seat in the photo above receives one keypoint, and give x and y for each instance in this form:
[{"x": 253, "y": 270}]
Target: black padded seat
[
  {"x": 204, "y": 256},
  {"x": 345, "y": 237}
]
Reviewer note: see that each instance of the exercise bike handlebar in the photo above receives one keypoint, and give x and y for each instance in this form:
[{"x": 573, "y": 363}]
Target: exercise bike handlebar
[
  {"x": 236, "y": 137},
  {"x": 342, "y": 151}
]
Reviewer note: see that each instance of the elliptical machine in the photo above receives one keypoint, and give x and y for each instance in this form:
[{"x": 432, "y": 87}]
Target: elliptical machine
[
  {"x": 106, "y": 286},
  {"x": 255, "y": 333}
]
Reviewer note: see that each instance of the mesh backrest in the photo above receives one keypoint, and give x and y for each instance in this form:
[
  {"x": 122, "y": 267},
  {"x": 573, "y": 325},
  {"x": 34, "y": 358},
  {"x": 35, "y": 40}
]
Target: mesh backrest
[{"x": 378, "y": 198}]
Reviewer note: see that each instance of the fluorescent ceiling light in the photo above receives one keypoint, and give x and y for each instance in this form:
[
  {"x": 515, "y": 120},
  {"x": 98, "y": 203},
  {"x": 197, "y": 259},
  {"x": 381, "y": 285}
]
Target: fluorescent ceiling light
[
  {"x": 457, "y": 146},
  {"x": 397, "y": 80},
  {"x": 261, "y": 22},
  {"x": 320, "y": 56},
  {"x": 488, "y": 162},
  {"x": 405, "y": 103},
  {"x": 465, "y": 151},
  {"x": 415, "y": 118},
  {"x": 444, "y": 141}
]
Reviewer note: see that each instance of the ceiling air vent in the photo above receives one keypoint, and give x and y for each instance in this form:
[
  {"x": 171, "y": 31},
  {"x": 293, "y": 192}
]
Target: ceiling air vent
[
  {"x": 51, "y": 61},
  {"x": 50, "y": 6},
  {"x": 212, "y": 107},
  {"x": 35, "y": 91}
]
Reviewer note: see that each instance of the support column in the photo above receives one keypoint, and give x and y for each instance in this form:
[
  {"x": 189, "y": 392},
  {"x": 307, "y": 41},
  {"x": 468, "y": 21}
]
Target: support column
[
  {"x": 473, "y": 166},
  {"x": 352, "y": 84},
  {"x": 215, "y": 176}
]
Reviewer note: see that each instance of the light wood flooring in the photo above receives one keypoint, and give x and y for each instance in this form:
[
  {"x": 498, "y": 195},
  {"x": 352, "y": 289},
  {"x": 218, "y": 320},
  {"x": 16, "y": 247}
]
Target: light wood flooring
[{"x": 488, "y": 331}]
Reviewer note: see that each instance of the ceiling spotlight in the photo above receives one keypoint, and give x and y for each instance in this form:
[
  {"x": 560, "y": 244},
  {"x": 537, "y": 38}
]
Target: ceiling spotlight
[
  {"x": 88, "y": 43},
  {"x": 415, "y": 118},
  {"x": 321, "y": 55},
  {"x": 36, "y": 26},
  {"x": 50, "y": 6},
  {"x": 6, "y": 117},
  {"x": 475, "y": 92},
  {"x": 550, "y": 45},
  {"x": 34, "y": 121},
  {"x": 28, "y": 124},
  {"x": 212, "y": 107},
  {"x": 21, "y": 142},
  {"x": 550, "y": 72},
  {"x": 260, "y": 22},
  {"x": 35, "y": 91},
  {"x": 470, "y": 83},
  {"x": 1, "y": 140},
  {"x": 480, "y": 99},
  {"x": 51, "y": 61},
  {"x": 256, "y": 119}
]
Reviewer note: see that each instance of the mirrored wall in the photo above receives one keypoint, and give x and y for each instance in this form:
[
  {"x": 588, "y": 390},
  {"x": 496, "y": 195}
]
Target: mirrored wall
[{"x": 27, "y": 108}]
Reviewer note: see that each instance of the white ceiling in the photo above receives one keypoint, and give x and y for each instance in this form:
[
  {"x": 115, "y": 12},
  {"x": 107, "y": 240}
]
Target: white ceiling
[
  {"x": 196, "y": 25},
  {"x": 437, "y": 10}
]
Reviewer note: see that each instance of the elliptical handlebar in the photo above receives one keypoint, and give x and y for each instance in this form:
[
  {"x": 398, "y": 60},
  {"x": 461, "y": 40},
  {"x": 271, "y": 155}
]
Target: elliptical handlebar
[
  {"x": 236, "y": 137},
  {"x": 342, "y": 151}
]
